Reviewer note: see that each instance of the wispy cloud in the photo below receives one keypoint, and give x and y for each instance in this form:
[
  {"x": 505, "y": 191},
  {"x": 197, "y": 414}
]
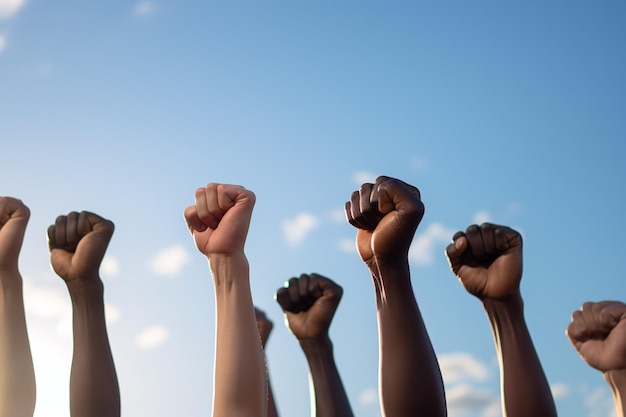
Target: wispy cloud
[
  {"x": 295, "y": 230},
  {"x": 112, "y": 314},
  {"x": 110, "y": 267},
  {"x": 347, "y": 245},
  {"x": 559, "y": 390},
  {"x": 481, "y": 217},
  {"x": 428, "y": 242},
  {"x": 42, "y": 302},
  {"x": 456, "y": 367},
  {"x": 170, "y": 261},
  {"x": 144, "y": 8},
  {"x": 368, "y": 396},
  {"x": 9, "y": 8},
  {"x": 599, "y": 401},
  {"x": 151, "y": 337},
  {"x": 362, "y": 177},
  {"x": 464, "y": 398}
]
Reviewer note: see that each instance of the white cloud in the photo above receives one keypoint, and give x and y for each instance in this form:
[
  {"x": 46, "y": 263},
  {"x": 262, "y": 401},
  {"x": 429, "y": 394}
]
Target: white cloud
[
  {"x": 464, "y": 398},
  {"x": 170, "y": 261},
  {"x": 436, "y": 236},
  {"x": 295, "y": 230},
  {"x": 338, "y": 216},
  {"x": 9, "y": 8},
  {"x": 456, "y": 367},
  {"x": 368, "y": 396},
  {"x": 347, "y": 245},
  {"x": 3, "y": 42},
  {"x": 112, "y": 314},
  {"x": 559, "y": 390},
  {"x": 362, "y": 177},
  {"x": 151, "y": 337},
  {"x": 110, "y": 267},
  {"x": 144, "y": 8},
  {"x": 45, "y": 303},
  {"x": 481, "y": 217},
  {"x": 599, "y": 402}
]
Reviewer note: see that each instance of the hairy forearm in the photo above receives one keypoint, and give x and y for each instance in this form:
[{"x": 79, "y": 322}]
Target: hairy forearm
[
  {"x": 17, "y": 381},
  {"x": 410, "y": 378},
  {"x": 331, "y": 399},
  {"x": 94, "y": 388},
  {"x": 240, "y": 379},
  {"x": 617, "y": 382},
  {"x": 525, "y": 389}
]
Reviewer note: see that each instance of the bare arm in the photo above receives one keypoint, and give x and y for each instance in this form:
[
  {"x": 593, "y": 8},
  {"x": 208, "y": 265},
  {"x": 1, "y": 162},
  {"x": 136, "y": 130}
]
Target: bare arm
[
  {"x": 488, "y": 262},
  {"x": 386, "y": 215},
  {"x": 78, "y": 243},
  {"x": 309, "y": 303},
  {"x": 265, "y": 326},
  {"x": 17, "y": 379},
  {"x": 598, "y": 333},
  {"x": 219, "y": 223}
]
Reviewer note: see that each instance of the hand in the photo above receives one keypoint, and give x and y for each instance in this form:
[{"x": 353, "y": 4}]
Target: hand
[
  {"x": 598, "y": 332},
  {"x": 309, "y": 303},
  {"x": 14, "y": 217},
  {"x": 220, "y": 219},
  {"x": 78, "y": 243},
  {"x": 487, "y": 260},
  {"x": 264, "y": 324},
  {"x": 387, "y": 214}
]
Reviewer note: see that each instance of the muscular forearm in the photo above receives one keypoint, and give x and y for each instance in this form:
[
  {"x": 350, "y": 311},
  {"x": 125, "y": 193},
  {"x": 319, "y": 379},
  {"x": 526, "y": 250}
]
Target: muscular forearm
[
  {"x": 94, "y": 388},
  {"x": 617, "y": 381},
  {"x": 331, "y": 399},
  {"x": 410, "y": 378},
  {"x": 525, "y": 389},
  {"x": 240, "y": 379},
  {"x": 17, "y": 382}
]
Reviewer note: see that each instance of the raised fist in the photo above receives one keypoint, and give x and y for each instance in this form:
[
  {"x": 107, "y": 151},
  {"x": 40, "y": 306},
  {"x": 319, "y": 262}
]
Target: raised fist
[
  {"x": 309, "y": 303},
  {"x": 14, "y": 217},
  {"x": 78, "y": 243},
  {"x": 220, "y": 219},
  {"x": 487, "y": 260},
  {"x": 598, "y": 332},
  {"x": 387, "y": 214}
]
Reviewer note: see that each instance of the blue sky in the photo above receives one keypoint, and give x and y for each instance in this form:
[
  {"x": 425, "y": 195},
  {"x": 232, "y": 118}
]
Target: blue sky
[{"x": 497, "y": 111}]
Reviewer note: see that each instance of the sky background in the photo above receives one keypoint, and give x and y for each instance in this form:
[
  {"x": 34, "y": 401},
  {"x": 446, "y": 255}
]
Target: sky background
[{"x": 497, "y": 111}]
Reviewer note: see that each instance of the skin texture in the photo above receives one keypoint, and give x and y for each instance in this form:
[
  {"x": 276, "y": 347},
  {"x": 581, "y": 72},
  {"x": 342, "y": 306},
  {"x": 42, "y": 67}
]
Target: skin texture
[
  {"x": 78, "y": 243},
  {"x": 265, "y": 326},
  {"x": 219, "y": 223},
  {"x": 309, "y": 303},
  {"x": 386, "y": 215},
  {"x": 598, "y": 333},
  {"x": 487, "y": 260},
  {"x": 17, "y": 379}
]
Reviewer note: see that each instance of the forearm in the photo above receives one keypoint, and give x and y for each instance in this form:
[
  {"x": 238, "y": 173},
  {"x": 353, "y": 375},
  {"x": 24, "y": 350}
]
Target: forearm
[
  {"x": 525, "y": 389},
  {"x": 272, "y": 411},
  {"x": 410, "y": 378},
  {"x": 330, "y": 396},
  {"x": 17, "y": 380},
  {"x": 94, "y": 389},
  {"x": 617, "y": 381},
  {"x": 240, "y": 377}
]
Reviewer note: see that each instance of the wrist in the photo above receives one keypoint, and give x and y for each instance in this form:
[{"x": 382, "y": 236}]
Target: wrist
[
  {"x": 316, "y": 345},
  {"x": 511, "y": 303},
  {"x": 228, "y": 269},
  {"x": 91, "y": 285}
]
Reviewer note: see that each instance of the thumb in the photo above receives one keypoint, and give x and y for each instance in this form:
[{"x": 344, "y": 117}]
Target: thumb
[{"x": 455, "y": 250}]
